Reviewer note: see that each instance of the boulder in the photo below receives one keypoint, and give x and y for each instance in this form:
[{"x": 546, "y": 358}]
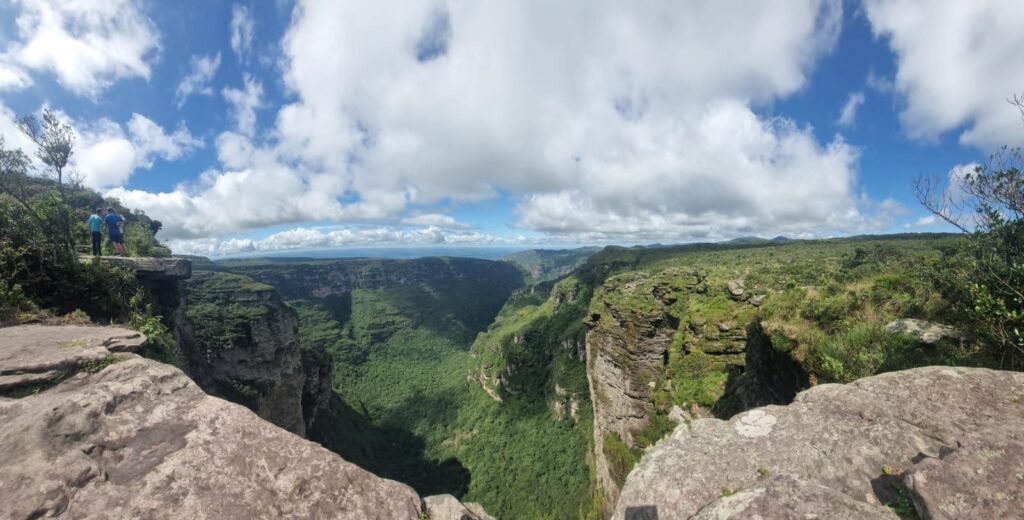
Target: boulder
[
  {"x": 948, "y": 437},
  {"x": 138, "y": 439},
  {"x": 757, "y": 300},
  {"x": 37, "y": 355},
  {"x": 926, "y": 332},
  {"x": 447, "y": 507},
  {"x": 736, "y": 290}
]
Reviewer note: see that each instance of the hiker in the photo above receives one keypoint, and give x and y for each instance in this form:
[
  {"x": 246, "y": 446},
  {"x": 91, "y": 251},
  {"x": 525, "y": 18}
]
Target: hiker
[
  {"x": 96, "y": 229},
  {"x": 115, "y": 231}
]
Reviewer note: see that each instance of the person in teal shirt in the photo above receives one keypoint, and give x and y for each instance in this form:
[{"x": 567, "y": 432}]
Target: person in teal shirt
[{"x": 96, "y": 227}]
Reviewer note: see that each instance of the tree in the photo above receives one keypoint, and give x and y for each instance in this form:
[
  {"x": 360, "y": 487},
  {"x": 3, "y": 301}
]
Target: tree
[
  {"x": 55, "y": 142},
  {"x": 985, "y": 280}
]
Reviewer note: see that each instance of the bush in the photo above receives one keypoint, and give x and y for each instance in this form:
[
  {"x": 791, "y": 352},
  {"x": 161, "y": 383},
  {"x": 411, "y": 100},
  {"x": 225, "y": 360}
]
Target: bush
[{"x": 861, "y": 351}]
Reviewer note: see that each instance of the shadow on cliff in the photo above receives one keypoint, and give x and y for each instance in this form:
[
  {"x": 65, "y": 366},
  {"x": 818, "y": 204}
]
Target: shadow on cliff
[{"x": 387, "y": 451}]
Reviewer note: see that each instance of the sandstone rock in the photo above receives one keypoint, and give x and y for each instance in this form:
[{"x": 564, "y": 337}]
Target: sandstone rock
[
  {"x": 757, "y": 300},
  {"x": 139, "y": 439},
  {"x": 925, "y": 331},
  {"x": 625, "y": 351},
  {"x": 149, "y": 267},
  {"x": 953, "y": 432},
  {"x": 736, "y": 290},
  {"x": 38, "y": 355},
  {"x": 447, "y": 507}
]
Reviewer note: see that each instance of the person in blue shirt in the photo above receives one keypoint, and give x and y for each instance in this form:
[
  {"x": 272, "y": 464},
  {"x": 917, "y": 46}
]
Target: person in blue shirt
[
  {"x": 115, "y": 231},
  {"x": 96, "y": 229}
]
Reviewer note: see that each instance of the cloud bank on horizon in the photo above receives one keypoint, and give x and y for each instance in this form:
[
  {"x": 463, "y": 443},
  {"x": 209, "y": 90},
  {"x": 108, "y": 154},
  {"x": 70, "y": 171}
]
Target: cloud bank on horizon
[{"x": 416, "y": 122}]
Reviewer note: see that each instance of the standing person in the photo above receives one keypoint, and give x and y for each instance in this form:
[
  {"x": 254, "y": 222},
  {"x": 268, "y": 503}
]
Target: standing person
[
  {"x": 96, "y": 230},
  {"x": 115, "y": 231}
]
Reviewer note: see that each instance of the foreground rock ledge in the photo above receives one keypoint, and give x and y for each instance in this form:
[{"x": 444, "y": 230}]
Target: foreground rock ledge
[
  {"x": 949, "y": 439},
  {"x": 139, "y": 439}
]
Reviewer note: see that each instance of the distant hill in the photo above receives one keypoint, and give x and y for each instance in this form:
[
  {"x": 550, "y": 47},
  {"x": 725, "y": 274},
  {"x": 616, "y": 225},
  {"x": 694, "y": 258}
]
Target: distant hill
[{"x": 550, "y": 264}]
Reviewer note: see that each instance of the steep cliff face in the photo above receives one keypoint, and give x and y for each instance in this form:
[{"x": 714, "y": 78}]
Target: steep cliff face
[
  {"x": 239, "y": 340},
  {"x": 627, "y": 349}
]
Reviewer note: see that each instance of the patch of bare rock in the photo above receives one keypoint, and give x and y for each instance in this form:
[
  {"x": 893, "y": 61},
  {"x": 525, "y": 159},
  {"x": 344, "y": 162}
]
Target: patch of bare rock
[
  {"x": 946, "y": 442},
  {"x": 138, "y": 439}
]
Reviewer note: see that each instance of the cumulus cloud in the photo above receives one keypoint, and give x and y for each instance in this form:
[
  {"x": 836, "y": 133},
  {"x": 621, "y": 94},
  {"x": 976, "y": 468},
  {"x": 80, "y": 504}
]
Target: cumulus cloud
[
  {"x": 13, "y": 77},
  {"x": 197, "y": 81},
  {"x": 621, "y": 121},
  {"x": 244, "y": 103},
  {"x": 241, "y": 30},
  {"x": 313, "y": 238},
  {"x": 848, "y": 114},
  {"x": 107, "y": 156},
  {"x": 87, "y": 44},
  {"x": 434, "y": 219},
  {"x": 957, "y": 63}
]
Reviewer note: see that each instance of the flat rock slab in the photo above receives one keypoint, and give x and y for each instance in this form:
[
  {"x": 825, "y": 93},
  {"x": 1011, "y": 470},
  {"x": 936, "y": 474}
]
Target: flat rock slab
[
  {"x": 139, "y": 439},
  {"x": 954, "y": 438},
  {"x": 150, "y": 267},
  {"x": 34, "y": 354}
]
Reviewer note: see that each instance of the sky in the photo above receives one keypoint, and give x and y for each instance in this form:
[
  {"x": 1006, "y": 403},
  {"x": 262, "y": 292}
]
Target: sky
[{"x": 270, "y": 126}]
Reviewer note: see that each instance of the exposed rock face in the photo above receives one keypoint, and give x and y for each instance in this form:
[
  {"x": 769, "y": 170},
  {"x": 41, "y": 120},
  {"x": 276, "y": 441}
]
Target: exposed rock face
[
  {"x": 151, "y": 268},
  {"x": 770, "y": 376},
  {"x": 240, "y": 341},
  {"x": 950, "y": 438},
  {"x": 36, "y": 355},
  {"x": 138, "y": 439},
  {"x": 926, "y": 332},
  {"x": 447, "y": 507},
  {"x": 626, "y": 348}
]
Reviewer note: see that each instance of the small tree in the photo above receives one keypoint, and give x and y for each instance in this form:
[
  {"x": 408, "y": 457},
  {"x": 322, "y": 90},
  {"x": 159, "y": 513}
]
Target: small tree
[
  {"x": 985, "y": 281},
  {"x": 55, "y": 142}
]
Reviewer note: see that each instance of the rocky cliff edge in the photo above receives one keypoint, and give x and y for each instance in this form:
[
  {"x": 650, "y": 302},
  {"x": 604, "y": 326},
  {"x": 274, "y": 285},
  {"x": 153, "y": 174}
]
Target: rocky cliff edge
[
  {"x": 936, "y": 442},
  {"x": 113, "y": 435}
]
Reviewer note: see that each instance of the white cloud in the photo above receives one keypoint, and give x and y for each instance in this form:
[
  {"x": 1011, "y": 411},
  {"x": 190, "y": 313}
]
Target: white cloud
[
  {"x": 244, "y": 104},
  {"x": 434, "y": 219},
  {"x": 241, "y": 30},
  {"x": 197, "y": 81},
  {"x": 602, "y": 119},
  {"x": 107, "y": 156},
  {"x": 929, "y": 220},
  {"x": 352, "y": 236},
  {"x": 957, "y": 63},
  {"x": 13, "y": 77},
  {"x": 848, "y": 114},
  {"x": 87, "y": 44}
]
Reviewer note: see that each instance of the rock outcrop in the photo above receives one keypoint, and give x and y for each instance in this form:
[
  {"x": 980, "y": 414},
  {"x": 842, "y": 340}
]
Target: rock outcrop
[
  {"x": 447, "y": 507},
  {"x": 944, "y": 441},
  {"x": 150, "y": 268},
  {"x": 626, "y": 349},
  {"x": 138, "y": 439},
  {"x": 926, "y": 332},
  {"x": 35, "y": 356},
  {"x": 239, "y": 341}
]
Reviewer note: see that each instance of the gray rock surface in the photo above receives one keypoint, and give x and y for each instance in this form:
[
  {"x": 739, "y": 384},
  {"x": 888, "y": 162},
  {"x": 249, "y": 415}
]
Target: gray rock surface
[
  {"x": 39, "y": 355},
  {"x": 139, "y": 439},
  {"x": 953, "y": 435},
  {"x": 447, "y": 507},
  {"x": 926, "y": 332},
  {"x": 736, "y": 290},
  {"x": 149, "y": 267}
]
